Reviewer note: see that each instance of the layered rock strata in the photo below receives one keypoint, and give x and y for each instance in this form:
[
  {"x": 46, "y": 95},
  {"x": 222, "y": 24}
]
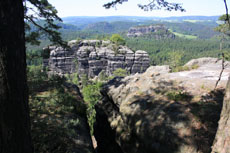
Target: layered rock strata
[
  {"x": 156, "y": 31},
  {"x": 92, "y": 56}
]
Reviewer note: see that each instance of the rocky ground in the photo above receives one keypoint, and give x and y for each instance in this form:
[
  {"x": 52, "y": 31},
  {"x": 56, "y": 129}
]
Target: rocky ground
[
  {"x": 203, "y": 78},
  {"x": 162, "y": 112}
]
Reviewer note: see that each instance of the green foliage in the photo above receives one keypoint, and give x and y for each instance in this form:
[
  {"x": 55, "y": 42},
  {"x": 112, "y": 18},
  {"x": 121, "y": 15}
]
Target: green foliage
[
  {"x": 102, "y": 76},
  {"x": 175, "y": 58},
  {"x": 120, "y": 72},
  {"x": 84, "y": 80},
  {"x": 152, "y": 5},
  {"x": 184, "y": 68},
  {"x": 35, "y": 75},
  {"x": 55, "y": 112},
  {"x": 91, "y": 94},
  {"x": 202, "y": 30},
  {"x": 180, "y": 68},
  {"x": 159, "y": 50},
  {"x": 178, "y": 95},
  {"x": 34, "y": 57},
  {"x": 117, "y": 39},
  {"x": 41, "y": 22},
  {"x": 195, "y": 66},
  {"x": 184, "y": 36},
  {"x": 115, "y": 48},
  {"x": 73, "y": 78},
  {"x": 226, "y": 55}
]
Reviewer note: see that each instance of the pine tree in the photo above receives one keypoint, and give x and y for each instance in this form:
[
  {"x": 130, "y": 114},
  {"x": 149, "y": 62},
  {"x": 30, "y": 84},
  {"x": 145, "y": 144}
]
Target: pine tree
[
  {"x": 41, "y": 20},
  {"x": 15, "y": 18},
  {"x": 14, "y": 111}
]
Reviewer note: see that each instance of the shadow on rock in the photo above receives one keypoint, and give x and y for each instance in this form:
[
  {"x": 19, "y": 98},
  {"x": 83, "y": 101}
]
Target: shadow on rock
[{"x": 161, "y": 119}]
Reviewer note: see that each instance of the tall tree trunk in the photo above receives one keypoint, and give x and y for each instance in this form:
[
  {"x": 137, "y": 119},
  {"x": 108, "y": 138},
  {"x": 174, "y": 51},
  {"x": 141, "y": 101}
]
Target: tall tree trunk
[
  {"x": 14, "y": 113},
  {"x": 222, "y": 140}
]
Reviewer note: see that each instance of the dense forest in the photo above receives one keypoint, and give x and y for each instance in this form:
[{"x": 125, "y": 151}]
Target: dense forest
[{"x": 195, "y": 36}]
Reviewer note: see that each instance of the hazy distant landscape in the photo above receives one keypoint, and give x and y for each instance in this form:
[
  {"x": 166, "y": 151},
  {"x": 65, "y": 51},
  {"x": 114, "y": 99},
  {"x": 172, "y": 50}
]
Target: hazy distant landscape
[{"x": 189, "y": 31}]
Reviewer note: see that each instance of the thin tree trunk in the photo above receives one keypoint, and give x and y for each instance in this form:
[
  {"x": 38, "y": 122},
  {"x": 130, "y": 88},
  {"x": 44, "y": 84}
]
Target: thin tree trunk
[
  {"x": 221, "y": 72},
  {"x": 221, "y": 143},
  {"x": 227, "y": 15},
  {"x": 14, "y": 112}
]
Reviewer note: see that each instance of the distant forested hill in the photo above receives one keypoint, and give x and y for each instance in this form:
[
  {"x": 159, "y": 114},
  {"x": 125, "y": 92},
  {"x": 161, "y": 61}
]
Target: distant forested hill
[
  {"x": 200, "y": 26},
  {"x": 195, "y": 36}
]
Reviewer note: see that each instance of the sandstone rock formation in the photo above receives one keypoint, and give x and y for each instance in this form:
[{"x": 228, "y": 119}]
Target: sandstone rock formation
[
  {"x": 92, "y": 56},
  {"x": 222, "y": 140},
  {"x": 161, "y": 112},
  {"x": 156, "y": 31}
]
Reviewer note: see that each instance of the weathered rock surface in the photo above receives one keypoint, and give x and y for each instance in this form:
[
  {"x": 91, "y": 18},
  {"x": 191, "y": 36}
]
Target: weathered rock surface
[
  {"x": 221, "y": 143},
  {"x": 204, "y": 61},
  {"x": 92, "y": 56},
  {"x": 157, "y": 31},
  {"x": 161, "y": 112}
]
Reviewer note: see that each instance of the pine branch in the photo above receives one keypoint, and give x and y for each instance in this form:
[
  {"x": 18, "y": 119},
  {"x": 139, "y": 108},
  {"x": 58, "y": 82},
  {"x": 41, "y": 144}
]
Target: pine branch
[
  {"x": 44, "y": 12},
  {"x": 152, "y": 5},
  {"x": 53, "y": 35}
]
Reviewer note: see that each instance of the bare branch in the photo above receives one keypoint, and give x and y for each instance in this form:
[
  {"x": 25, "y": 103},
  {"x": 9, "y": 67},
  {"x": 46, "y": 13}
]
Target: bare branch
[
  {"x": 221, "y": 72},
  {"x": 152, "y": 5}
]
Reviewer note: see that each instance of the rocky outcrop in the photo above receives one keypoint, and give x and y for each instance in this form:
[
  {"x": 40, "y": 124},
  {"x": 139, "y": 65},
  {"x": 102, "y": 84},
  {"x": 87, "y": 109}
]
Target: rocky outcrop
[
  {"x": 156, "y": 31},
  {"x": 203, "y": 61},
  {"x": 222, "y": 140},
  {"x": 160, "y": 112},
  {"x": 92, "y": 56},
  {"x": 59, "y": 119}
]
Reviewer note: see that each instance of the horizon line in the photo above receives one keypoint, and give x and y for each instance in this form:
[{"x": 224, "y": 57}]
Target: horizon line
[{"x": 141, "y": 16}]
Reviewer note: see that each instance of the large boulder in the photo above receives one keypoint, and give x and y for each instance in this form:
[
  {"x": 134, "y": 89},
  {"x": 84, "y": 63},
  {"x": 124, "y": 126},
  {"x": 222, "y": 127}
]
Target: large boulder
[{"x": 155, "y": 112}]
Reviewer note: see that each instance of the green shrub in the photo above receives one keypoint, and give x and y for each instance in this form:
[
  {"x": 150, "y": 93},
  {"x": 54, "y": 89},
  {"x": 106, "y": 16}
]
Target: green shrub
[
  {"x": 184, "y": 68},
  {"x": 36, "y": 76},
  {"x": 178, "y": 95},
  {"x": 195, "y": 66},
  {"x": 120, "y": 72},
  {"x": 115, "y": 48},
  {"x": 57, "y": 111},
  {"x": 117, "y": 39},
  {"x": 102, "y": 76},
  {"x": 73, "y": 78},
  {"x": 91, "y": 94},
  {"x": 84, "y": 80}
]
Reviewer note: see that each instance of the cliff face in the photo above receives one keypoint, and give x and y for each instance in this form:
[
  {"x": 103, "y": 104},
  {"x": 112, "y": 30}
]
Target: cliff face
[
  {"x": 92, "y": 56},
  {"x": 156, "y": 31},
  {"x": 222, "y": 140}
]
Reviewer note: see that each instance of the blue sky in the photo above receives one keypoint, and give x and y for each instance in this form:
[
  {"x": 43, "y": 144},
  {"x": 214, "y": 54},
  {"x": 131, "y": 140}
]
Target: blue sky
[{"x": 94, "y": 8}]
